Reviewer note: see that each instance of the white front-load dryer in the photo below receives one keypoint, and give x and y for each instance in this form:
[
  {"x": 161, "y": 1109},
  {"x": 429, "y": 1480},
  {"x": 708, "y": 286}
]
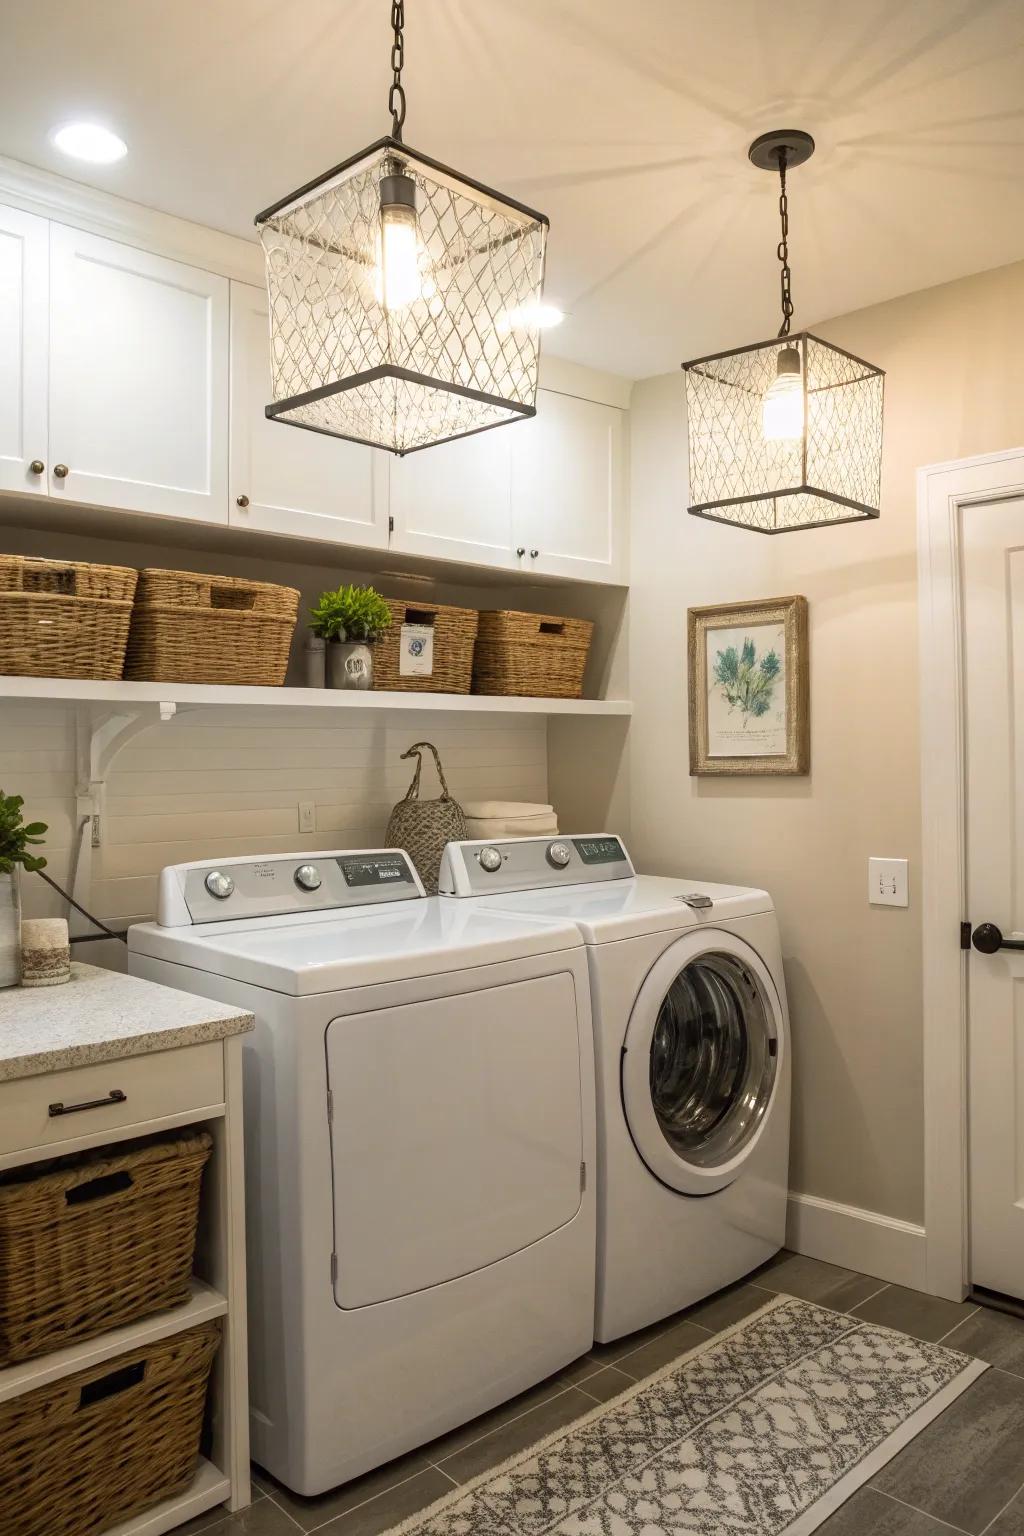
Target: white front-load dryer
[
  {"x": 692, "y": 1056},
  {"x": 419, "y": 1135}
]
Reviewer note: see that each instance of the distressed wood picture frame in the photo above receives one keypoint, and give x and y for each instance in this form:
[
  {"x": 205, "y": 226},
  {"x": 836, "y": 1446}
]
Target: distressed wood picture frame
[{"x": 749, "y": 688}]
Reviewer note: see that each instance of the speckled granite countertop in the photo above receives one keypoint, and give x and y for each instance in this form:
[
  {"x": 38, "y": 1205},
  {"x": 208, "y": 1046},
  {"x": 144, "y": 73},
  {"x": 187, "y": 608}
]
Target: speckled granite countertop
[{"x": 103, "y": 1016}]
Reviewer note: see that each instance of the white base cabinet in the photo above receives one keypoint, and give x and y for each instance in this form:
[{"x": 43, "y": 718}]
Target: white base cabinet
[{"x": 286, "y": 480}]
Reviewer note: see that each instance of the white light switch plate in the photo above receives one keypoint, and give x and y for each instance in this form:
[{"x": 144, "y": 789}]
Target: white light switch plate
[
  {"x": 307, "y": 816},
  {"x": 887, "y": 882}
]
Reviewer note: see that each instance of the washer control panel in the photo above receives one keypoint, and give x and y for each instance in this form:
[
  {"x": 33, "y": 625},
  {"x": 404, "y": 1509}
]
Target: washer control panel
[
  {"x": 531, "y": 864},
  {"x": 284, "y": 883}
]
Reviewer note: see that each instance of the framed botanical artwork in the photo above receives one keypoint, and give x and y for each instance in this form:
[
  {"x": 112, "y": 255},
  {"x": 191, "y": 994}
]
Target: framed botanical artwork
[{"x": 749, "y": 688}]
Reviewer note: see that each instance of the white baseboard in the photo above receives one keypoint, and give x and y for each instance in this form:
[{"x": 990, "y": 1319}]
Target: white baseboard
[{"x": 863, "y": 1240}]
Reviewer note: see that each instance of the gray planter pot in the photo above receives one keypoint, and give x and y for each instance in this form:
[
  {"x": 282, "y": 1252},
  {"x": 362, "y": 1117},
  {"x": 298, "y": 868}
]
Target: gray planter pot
[
  {"x": 349, "y": 664},
  {"x": 10, "y": 929}
]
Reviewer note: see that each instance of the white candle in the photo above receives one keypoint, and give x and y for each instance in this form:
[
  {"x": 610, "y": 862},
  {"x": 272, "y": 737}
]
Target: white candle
[{"x": 45, "y": 952}]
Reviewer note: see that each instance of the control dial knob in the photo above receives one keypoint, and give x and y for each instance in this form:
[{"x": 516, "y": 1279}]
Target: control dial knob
[
  {"x": 219, "y": 884},
  {"x": 490, "y": 859},
  {"x": 307, "y": 877},
  {"x": 559, "y": 854}
]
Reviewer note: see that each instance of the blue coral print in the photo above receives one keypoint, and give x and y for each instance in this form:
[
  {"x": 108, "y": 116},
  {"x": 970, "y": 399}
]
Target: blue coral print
[{"x": 747, "y": 682}]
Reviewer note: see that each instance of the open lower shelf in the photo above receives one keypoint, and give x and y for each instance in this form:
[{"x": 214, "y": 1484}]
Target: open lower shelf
[
  {"x": 203, "y": 1304},
  {"x": 207, "y": 1489},
  {"x": 72, "y": 690}
]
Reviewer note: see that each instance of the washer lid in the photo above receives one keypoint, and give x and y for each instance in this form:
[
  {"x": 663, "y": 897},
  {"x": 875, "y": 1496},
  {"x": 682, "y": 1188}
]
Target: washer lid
[
  {"x": 626, "y": 909},
  {"x": 326, "y": 953}
]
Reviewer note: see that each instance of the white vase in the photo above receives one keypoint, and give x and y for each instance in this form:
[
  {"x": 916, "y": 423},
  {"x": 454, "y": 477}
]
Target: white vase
[
  {"x": 349, "y": 664},
  {"x": 10, "y": 929}
]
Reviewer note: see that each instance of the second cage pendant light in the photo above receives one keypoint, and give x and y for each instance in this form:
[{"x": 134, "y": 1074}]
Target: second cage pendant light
[
  {"x": 404, "y": 297},
  {"x": 784, "y": 434}
]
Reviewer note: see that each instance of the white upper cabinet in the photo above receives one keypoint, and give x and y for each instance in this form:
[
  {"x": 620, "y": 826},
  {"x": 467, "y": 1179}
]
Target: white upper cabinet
[
  {"x": 285, "y": 479},
  {"x": 454, "y": 502},
  {"x": 24, "y": 327},
  {"x": 568, "y": 489},
  {"x": 138, "y": 380}
]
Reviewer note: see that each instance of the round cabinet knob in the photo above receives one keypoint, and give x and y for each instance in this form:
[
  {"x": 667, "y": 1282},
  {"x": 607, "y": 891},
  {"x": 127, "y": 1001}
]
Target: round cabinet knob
[
  {"x": 219, "y": 884},
  {"x": 37, "y": 466},
  {"x": 241, "y": 501},
  {"x": 61, "y": 471},
  {"x": 534, "y": 553},
  {"x": 490, "y": 859},
  {"x": 559, "y": 854},
  {"x": 307, "y": 877},
  {"x": 521, "y": 550}
]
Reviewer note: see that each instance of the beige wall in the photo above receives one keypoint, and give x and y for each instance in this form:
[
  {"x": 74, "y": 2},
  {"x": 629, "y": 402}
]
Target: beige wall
[{"x": 954, "y": 386}]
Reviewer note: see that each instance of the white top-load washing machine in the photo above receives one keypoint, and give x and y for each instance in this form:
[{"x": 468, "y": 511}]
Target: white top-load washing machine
[
  {"x": 693, "y": 1062},
  {"x": 419, "y": 1125}
]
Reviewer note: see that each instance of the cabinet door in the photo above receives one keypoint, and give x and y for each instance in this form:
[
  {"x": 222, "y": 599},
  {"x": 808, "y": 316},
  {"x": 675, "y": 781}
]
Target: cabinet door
[
  {"x": 24, "y": 340},
  {"x": 138, "y": 379},
  {"x": 568, "y": 489},
  {"x": 454, "y": 502},
  {"x": 293, "y": 481}
]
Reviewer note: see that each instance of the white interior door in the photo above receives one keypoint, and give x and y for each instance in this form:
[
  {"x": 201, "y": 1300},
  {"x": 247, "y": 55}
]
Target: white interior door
[
  {"x": 568, "y": 488},
  {"x": 454, "y": 502},
  {"x": 138, "y": 380},
  {"x": 284, "y": 479},
  {"x": 24, "y": 341},
  {"x": 993, "y": 583}
]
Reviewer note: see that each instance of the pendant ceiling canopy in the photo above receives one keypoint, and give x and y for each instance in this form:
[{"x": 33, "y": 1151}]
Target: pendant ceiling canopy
[
  {"x": 784, "y": 434},
  {"x": 403, "y": 297}
]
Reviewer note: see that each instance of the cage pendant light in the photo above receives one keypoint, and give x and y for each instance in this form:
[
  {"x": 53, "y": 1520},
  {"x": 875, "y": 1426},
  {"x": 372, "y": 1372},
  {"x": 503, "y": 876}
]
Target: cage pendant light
[
  {"x": 403, "y": 296},
  {"x": 784, "y": 434}
]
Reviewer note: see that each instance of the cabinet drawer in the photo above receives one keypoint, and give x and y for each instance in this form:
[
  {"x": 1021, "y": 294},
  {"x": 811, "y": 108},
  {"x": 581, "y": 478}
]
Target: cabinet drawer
[{"x": 145, "y": 1088}]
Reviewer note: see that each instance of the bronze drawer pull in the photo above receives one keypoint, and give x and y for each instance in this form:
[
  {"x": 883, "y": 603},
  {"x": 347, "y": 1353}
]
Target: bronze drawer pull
[{"x": 115, "y": 1096}]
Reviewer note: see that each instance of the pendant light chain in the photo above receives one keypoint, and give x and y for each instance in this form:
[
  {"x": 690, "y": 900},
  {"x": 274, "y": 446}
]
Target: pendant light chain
[
  {"x": 396, "y": 95},
  {"x": 785, "y": 277}
]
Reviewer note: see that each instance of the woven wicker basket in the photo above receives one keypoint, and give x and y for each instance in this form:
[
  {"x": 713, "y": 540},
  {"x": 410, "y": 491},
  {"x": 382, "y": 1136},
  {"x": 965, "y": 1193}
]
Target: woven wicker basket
[
  {"x": 424, "y": 827},
  {"x": 95, "y": 1242},
  {"x": 89, "y": 1451},
  {"x": 63, "y": 618},
  {"x": 454, "y": 635},
  {"x": 536, "y": 654},
  {"x": 210, "y": 629}
]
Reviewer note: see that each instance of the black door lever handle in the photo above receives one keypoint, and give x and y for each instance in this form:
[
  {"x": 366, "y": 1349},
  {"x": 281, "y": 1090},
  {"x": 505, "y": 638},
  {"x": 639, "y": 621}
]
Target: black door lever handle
[{"x": 988, "y": 939}]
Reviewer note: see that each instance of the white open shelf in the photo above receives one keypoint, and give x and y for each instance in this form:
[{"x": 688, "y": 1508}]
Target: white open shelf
[
  {"x": 203, "y": 1304},
  {"x": 71, "y": 690},
  {"x": 207, "y": 1489}
]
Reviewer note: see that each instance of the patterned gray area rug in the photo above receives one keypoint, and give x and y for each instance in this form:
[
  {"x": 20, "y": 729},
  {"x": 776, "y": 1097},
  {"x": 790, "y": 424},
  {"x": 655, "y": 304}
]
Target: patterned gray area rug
[{"x": 763, "y": 1431}]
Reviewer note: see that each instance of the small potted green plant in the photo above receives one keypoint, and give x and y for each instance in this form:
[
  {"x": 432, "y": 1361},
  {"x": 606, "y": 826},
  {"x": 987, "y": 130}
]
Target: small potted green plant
[
  {"x": 16, "y": 840},
  {"x": 350, "y": 620}
]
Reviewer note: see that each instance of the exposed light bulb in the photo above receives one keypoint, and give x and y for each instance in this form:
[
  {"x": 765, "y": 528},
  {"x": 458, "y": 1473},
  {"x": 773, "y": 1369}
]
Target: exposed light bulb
[
  {"x": 782, "y": 410},
  {"x": 533, "y": 314},
  {"x": 398, "y": 280},
  {"x": 89, "y": 141}
]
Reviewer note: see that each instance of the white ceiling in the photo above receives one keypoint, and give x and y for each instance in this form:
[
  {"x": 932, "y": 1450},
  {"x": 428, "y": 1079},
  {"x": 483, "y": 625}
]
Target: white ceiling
[{"x": 626, "y": 121}]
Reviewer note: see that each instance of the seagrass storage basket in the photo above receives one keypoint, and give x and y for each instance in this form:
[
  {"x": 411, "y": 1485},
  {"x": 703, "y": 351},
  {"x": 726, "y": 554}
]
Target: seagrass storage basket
[
  {"x": 93, "y": 1242},
  {"x": 210, "y": 629},
  {"x": 535, "y": 654},
  {"x": 423, "y": 828},
  {"x": 454, "y": 634},
  {"x": 89, "y": 1451},
  {"x": 63, "y": 618}
]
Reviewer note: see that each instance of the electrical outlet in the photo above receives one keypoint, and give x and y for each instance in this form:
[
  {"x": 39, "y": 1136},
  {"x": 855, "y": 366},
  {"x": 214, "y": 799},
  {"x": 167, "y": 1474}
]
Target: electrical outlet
[
  {"x": 887, "y": 882},
  {"x": 307, "y": 816}
]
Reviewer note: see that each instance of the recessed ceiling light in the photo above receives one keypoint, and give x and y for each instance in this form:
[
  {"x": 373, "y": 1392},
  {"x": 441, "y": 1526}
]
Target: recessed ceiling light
[
  {"x": 534, "y": 314},
  {"x": 89, "y": 141}
]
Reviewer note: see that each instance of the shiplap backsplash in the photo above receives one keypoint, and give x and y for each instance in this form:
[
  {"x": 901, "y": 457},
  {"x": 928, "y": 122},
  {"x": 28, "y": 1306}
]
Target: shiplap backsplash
[{"x": 204, "y": 787}]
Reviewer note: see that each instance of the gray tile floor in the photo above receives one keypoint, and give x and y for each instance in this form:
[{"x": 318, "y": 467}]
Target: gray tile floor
[{"x": 964, "y": 1473}]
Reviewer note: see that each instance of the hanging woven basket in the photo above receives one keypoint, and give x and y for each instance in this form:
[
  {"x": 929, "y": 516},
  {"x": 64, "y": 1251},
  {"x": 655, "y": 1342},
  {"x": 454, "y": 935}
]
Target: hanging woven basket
[{"x": 424, "y": 827}]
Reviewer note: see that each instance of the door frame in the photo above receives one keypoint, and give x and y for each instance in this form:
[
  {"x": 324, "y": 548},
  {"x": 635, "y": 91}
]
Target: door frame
[{"x": 944, "y": 493}]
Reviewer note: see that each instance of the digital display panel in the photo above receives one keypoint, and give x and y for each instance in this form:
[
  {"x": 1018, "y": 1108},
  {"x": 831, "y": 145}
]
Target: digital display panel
[
  {"x": 599, "y": 850},
  {"x": 383, "y": 869}
]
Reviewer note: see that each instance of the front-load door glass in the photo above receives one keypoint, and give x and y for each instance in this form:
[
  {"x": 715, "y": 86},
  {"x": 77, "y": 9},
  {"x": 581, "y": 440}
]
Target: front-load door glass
[
  {"x": 713, "y": 1059},
  {"x": 456, "y": 1133}
]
